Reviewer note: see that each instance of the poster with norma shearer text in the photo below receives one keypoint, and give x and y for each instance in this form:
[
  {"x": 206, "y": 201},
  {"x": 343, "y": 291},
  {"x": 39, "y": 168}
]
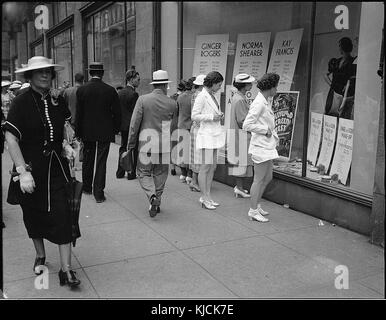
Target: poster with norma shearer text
[
  {"x": 314, "y": 137},
  {"x": 343, "y": 151},
  {"x": 284, "y": 105},
  {"x": 328, "y": 141},
  {"x": 284, "y": 56},
  {"x": 251, "y": 57},
  {"x": 210, "y": 54}
]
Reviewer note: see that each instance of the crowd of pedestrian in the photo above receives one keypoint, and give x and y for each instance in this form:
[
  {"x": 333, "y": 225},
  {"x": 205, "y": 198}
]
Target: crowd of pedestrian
[{"x": 183, "y": 132}]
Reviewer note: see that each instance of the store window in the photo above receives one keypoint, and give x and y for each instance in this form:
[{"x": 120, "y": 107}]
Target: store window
[
  {"x": 62, "y": 52},
  {"x": 37, "y": 50},
  {"x": 340, "y": 96},
  {"x": 106, "y": 40},
  {"x": 238, "y": 37},
  {"x": 345, "y": 96}
]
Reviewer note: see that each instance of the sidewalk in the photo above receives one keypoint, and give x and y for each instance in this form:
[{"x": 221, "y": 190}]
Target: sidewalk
[{"x": 189, "y": 252}]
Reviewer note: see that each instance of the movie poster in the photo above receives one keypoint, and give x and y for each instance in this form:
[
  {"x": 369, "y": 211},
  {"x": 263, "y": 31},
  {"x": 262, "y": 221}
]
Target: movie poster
[
  {"x": 284, "y": 105},
  {"x": 328, "y": 141},
  {"x": 343, "y": 150},
  {"x": 315, "y": 137},
  {"x": 284, "y": 56},
  {"x": 211, "y": 54}
]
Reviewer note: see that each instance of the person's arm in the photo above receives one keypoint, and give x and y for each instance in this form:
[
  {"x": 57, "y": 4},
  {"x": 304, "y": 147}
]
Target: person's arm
[
  {"x": 135, "y": 125},
  {"x": 27, "y": 183},
  {"x": 116, "y": 112},
  {"x": 197, "y": 114},
  {"x": 78, "y": 114},
  {"x": 250, "y": 122},
  {"x": 241, "y": 111}
]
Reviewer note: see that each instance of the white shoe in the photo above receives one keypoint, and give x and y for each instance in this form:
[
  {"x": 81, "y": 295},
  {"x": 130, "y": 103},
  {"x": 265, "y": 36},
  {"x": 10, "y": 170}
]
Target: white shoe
[
  {"x": 182, "y": 179},
  {"x": 240, "y": 193},
  {"x": 255, "y": 215},
  {"x": 188, "y": 180},
  {"x": 214, "y": 203},
  {"x": 262, "y": 212}
]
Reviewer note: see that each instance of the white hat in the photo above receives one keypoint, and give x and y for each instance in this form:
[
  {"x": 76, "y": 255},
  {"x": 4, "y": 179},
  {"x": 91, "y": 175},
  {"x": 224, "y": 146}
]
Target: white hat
[
  {"x": 15, "y": 85},
  {"x": 5, "y": 83},
  {"x": 25, "y": 85},
  {"x": 244, "y": 78},
  {"x": 39, "y": 62},
  {"x": 199, "y": 80},
  {"x": 160, "y": 76}
]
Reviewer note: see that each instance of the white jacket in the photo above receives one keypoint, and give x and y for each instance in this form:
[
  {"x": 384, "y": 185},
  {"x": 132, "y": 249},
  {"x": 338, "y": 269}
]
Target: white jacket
[
  {"x": 261, "y": 117},
  {"x": 211, "y": 134}
]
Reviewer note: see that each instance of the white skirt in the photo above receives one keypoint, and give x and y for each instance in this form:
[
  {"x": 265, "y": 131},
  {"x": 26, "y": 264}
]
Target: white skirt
[
  {"x": 260, "y": 155},
  {"x": 206, "y": 141}
]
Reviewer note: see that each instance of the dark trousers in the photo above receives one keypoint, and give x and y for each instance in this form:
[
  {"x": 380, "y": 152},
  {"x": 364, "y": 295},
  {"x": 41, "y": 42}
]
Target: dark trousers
[
  {"x": 97, "y": 184},
  {"x": 124, "y": 139}
]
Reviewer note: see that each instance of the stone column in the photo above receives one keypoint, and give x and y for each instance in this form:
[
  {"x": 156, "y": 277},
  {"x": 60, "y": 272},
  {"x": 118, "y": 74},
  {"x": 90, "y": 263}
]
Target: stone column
[
  {"x": 144, "y": 44},
  {"x": 377, "y": 217}
]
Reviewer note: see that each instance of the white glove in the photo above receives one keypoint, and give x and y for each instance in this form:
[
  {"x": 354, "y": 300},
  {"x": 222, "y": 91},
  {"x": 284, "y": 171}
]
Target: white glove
[
  {"x": 27, "y": 183},
  {"x": 69, "y": 152}
]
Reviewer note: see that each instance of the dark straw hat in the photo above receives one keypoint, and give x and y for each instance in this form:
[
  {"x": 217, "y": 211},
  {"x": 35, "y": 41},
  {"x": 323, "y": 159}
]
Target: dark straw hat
[{"x": 96, "y": 66}]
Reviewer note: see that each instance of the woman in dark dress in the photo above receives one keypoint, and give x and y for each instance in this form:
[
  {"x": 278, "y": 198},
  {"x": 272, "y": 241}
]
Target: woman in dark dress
[
  {"x": 342, "y": 84},
  {"x": 34, "y": 135}
]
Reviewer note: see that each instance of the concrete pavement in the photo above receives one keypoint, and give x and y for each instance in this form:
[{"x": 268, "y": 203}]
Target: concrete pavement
[{"x": 190, "y": 252}]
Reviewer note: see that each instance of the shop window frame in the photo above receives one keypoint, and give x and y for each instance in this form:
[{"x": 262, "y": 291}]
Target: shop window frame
[{"x": 349, "y": 195}]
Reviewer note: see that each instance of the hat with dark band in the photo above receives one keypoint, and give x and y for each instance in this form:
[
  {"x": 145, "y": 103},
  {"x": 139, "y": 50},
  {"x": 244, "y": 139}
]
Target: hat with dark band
[
  {"x": 160, "y": 76},
  {"x": 244, "y": 78},
  {"x": 96, "y": 66}
]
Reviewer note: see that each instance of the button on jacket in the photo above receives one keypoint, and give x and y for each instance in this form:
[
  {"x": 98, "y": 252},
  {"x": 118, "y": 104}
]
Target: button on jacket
[
  {"x": 153, "y": 111},
  {"x": 210, "y": 135},
  {"x": 261, "y": 117}
]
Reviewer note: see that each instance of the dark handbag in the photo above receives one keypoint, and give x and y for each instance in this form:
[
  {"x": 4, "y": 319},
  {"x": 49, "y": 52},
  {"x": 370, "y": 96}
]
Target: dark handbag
[{"x": 126, "y": 161}]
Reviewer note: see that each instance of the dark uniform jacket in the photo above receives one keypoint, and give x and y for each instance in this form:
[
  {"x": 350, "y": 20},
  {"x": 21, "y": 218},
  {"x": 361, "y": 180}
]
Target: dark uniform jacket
[
  {"x": 151, "y": 122},
  {"x": 127, "y": 97},
  {"x": 98, "y": 112}
]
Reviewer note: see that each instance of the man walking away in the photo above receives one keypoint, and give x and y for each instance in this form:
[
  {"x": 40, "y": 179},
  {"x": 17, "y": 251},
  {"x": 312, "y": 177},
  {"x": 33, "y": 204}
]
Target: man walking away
[
  {"x": 127, "y": 97},
  {"x": 70, "y": 96},
  {"x": 98, "y": 119},
  {"x": 151, "y": 124}
]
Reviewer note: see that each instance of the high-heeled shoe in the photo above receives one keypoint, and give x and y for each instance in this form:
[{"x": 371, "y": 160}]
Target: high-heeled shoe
[
  {"x": 194, "y": 187},
  {"x": 208, "y": 205},
  {"x": 216, "y": 204},
  {"x": 64, "y": 279},
  {"x": 240, "y": 193},
  {"x": 39, "y": 261},
  {"x": 262, "y": 212},
  {"x": 255, "y": 215}
]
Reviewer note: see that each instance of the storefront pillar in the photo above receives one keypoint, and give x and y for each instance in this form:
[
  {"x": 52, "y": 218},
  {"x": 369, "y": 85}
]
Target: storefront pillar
[{"x": 378, "y": 209}]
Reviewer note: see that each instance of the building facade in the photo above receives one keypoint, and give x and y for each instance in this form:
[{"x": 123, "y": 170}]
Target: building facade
[{"x": 331, "y": 111}]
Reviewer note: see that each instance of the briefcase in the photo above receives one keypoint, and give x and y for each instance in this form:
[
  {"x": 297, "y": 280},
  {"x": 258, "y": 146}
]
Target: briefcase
[{"x": 127, "y": 161}]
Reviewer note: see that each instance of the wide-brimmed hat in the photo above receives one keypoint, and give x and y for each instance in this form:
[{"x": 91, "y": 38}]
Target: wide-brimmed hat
[
  {"x": 244, "y": 78},
  {"x": 15, "y": 85},
  {"x": 25, "y": 85},
  {"x": 39, "y": 62},
  {"x": 160, "y": 76},
  {"x": 96, "y": 66},
  {"x": 199, "y": 80},
  {"x": 5, "y": 83}
]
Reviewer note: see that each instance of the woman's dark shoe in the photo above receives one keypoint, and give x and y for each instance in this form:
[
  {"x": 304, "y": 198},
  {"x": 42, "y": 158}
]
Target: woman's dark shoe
[
  {"x": 64, "y": 279},
  {"x": 39, "y": 262}
]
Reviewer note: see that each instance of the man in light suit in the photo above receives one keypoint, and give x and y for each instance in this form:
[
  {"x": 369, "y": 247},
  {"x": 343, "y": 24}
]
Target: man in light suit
[
  {"x": 151, "y": 124},
  {"x": 98, "y": 119}
]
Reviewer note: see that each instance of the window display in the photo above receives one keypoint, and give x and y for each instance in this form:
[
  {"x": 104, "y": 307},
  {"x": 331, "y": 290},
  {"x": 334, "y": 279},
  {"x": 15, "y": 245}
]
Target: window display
[
  {"x": 63, "y": 53},
  {"x": 328, "y": 73},
  {"x": 106, "y": 41}
]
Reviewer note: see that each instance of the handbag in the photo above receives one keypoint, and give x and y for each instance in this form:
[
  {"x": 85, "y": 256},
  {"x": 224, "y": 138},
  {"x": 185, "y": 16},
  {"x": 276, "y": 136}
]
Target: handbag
[
  {"x": 69, "y": 132},
  {"x": 126, "y": 161}
]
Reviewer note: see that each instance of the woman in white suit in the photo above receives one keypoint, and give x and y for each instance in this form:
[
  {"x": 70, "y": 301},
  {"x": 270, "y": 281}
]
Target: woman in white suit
[
  {"x": 210, "y": 136},
  {"x": 261, "y": 122}
]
